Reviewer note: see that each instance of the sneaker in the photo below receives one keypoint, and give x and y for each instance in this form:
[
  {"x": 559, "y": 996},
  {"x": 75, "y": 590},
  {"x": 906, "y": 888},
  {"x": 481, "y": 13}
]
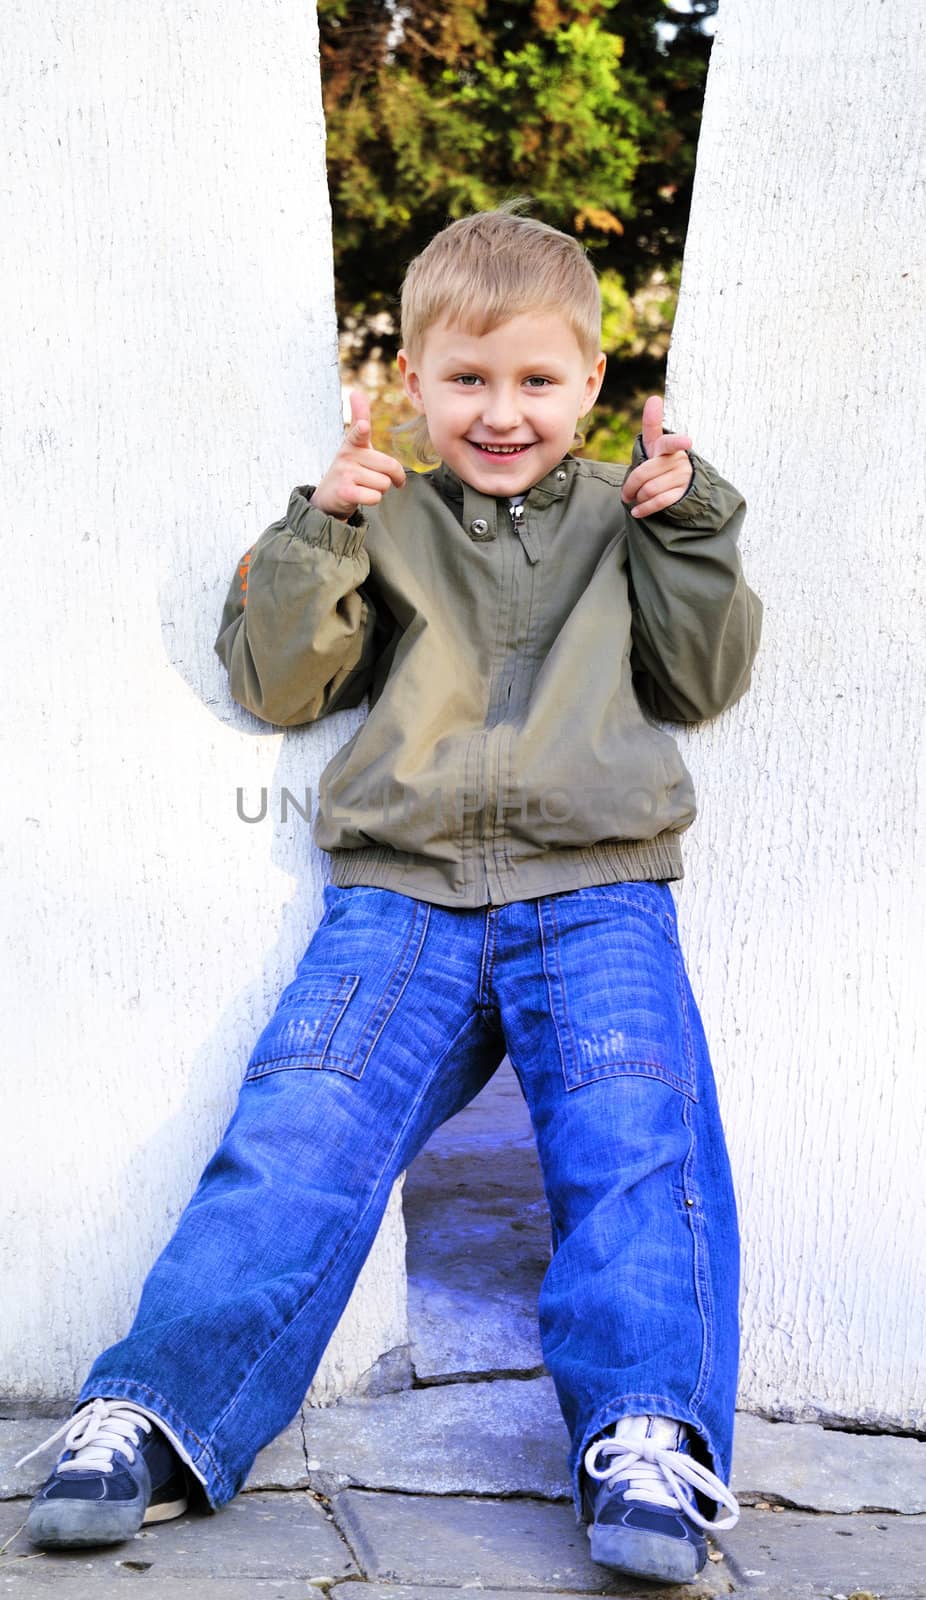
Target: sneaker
[
  {"x": 117, "y": 1471},
  {"x": 638, "y": 1499}
]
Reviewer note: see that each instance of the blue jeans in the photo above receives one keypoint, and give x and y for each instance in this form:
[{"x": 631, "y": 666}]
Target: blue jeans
[{"x": 399, "y": 1013}]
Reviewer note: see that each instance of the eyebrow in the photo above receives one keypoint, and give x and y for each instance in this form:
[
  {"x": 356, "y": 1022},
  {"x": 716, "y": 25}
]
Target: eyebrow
[{"x": 456, "y": 362}]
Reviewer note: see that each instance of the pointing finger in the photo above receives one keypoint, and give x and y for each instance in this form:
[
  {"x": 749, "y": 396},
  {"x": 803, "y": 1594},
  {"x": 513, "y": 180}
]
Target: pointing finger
[
  {"x": 652, "y": 423},
  {"x": 359, "y": 430}
]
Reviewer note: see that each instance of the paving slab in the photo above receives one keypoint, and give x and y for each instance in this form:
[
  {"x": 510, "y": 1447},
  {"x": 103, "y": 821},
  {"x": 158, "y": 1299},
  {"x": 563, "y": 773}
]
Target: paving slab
[
  {"x": 390, "y": 1591},
  {"x": 859, "y": 1556},
  {"x": 22, "y": 1585},
  {"x": 821, "y": 1469},
  {"x": 478, "y": 1240},
  {"x": 512, "y": 1545},
  {"x": 506, "y": 1437},
  {"x": 257, "y": 1536},
  {"x": 18, "y": 1439},
  {"x": 499, "y": 1438},
  {"x": 457, "y": 1330}
]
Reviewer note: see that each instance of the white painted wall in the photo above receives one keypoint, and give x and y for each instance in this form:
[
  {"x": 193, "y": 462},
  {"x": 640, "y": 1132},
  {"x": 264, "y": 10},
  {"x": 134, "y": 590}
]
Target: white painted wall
[
  {"x": 165, "y": 239},
  {"x": 798, "y": 364}
]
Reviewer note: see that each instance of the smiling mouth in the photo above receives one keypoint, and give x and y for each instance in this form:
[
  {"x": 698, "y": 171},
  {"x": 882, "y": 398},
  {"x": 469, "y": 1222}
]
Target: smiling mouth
[{"x": 501, "y": 450}]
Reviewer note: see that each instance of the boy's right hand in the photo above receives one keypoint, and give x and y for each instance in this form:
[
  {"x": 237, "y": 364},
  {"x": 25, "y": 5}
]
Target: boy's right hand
[{"x": 358, "y": 475}]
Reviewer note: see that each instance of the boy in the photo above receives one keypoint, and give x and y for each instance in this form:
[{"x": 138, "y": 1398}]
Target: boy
[{"x": 502, "y": 828}]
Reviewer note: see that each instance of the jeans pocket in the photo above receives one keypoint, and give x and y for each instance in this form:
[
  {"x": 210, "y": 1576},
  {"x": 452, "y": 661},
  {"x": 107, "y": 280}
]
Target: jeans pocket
[
  {"x": 617, "y": 987},
  {"x": 301, "y": 1030},
  {"x": 346, "y": 988}
]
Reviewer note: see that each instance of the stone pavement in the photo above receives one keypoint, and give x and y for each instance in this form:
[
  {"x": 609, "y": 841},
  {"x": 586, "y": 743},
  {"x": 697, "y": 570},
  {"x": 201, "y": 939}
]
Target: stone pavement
[{"x": 457, "y": 1485}]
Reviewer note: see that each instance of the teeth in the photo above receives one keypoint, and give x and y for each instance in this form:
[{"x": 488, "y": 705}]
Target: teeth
[{"x": 503, "y": 449}]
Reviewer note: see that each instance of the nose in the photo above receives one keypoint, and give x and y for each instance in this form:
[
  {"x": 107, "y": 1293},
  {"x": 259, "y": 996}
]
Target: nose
[{"x": 502, "y": 408}]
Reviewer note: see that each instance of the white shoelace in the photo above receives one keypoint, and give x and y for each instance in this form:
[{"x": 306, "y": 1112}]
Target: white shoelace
[
  {"x": 643, "y": 1453},
  {"x": 94, "y": 1433}
]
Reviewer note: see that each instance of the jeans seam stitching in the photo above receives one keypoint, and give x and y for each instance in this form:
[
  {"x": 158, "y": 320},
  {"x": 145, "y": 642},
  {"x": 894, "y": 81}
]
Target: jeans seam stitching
[
  {"x": 682, "y": 989},
  {"x": 701, "y": 1277},
  {"x": 486, "y": 962},
  {"x": 551, "y": 969},
  {"x": 399, "y": 984},
  {"x": 593, "y": 889}
]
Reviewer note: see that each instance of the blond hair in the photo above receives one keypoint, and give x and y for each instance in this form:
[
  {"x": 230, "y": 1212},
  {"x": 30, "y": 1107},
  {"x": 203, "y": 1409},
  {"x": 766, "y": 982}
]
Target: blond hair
[{"x": 482, "y": 270}]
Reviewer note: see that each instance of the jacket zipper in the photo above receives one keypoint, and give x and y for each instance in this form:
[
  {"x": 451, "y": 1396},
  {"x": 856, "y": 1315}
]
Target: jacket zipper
[
  {"x": 522, "y": 529},
  {"x": 517, "y": 516}
]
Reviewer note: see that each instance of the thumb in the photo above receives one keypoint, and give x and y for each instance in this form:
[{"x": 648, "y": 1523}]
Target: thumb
[
  {"x": 359, "y": 430},
  {"x": 652, "y": 423}
]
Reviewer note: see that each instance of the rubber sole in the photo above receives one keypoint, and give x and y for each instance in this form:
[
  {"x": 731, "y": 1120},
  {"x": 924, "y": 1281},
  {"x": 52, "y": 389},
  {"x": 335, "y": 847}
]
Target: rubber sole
[
  {"x": 167, "y": 1510},
  {"x": 639, "y": 1554},
  {"x": 83, "y": 1524}
]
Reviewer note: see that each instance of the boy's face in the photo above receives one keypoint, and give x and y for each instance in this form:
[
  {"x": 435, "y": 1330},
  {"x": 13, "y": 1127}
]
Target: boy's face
[{"x": 502, "y": 407}]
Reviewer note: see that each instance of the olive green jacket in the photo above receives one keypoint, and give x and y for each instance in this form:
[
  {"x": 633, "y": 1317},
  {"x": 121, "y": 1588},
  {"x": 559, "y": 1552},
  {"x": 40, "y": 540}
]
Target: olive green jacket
[{"x": 514, "y": 669}]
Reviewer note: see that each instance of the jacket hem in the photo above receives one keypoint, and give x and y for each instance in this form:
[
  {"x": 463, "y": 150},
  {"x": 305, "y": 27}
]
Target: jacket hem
[{"x": 553, "y": 872}]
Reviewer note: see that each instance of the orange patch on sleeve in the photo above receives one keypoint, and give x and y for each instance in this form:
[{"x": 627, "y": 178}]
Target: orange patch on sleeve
[{"x": 243, "y": 574}]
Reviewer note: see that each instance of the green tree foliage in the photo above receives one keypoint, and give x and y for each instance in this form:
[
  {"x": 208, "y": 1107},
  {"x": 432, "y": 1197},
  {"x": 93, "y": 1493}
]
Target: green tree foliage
[{"x": 590, "y": 108}]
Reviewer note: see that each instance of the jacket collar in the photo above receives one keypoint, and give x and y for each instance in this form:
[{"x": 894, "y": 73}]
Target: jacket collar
[{"x": 479, "y": 512}]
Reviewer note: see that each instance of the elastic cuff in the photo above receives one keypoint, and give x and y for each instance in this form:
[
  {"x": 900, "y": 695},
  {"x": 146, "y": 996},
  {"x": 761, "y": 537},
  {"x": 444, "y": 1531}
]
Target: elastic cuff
[
  {"x": 690, "y": 509},
  {"x": 694, "y": 479},
  {"x": 695, "y": 503},
  {"x": 320, "y": 529}
]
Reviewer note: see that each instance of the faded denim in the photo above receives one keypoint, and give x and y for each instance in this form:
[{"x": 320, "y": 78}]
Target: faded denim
[{"x": 398, "y": 1014}]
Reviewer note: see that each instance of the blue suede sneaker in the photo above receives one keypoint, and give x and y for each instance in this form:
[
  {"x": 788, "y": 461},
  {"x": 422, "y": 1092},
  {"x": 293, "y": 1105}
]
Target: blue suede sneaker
[
  {"x": 638, "y": 1500},
  {"x": 117, "y": 1472}
]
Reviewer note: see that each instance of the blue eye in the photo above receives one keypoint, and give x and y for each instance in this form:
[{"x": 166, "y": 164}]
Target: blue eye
[
  {"x": 468, "y": 379},
  {"x": 537, "y": 382}
]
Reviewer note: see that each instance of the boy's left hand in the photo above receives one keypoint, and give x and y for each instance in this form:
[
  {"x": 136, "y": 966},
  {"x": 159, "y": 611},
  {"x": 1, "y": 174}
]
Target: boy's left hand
[{"x": 665, "y": 475}]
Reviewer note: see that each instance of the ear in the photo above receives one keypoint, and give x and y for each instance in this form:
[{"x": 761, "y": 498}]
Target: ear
[
  {"x": 593, "y": 384},
  {"x": 410, "y": 380}
]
